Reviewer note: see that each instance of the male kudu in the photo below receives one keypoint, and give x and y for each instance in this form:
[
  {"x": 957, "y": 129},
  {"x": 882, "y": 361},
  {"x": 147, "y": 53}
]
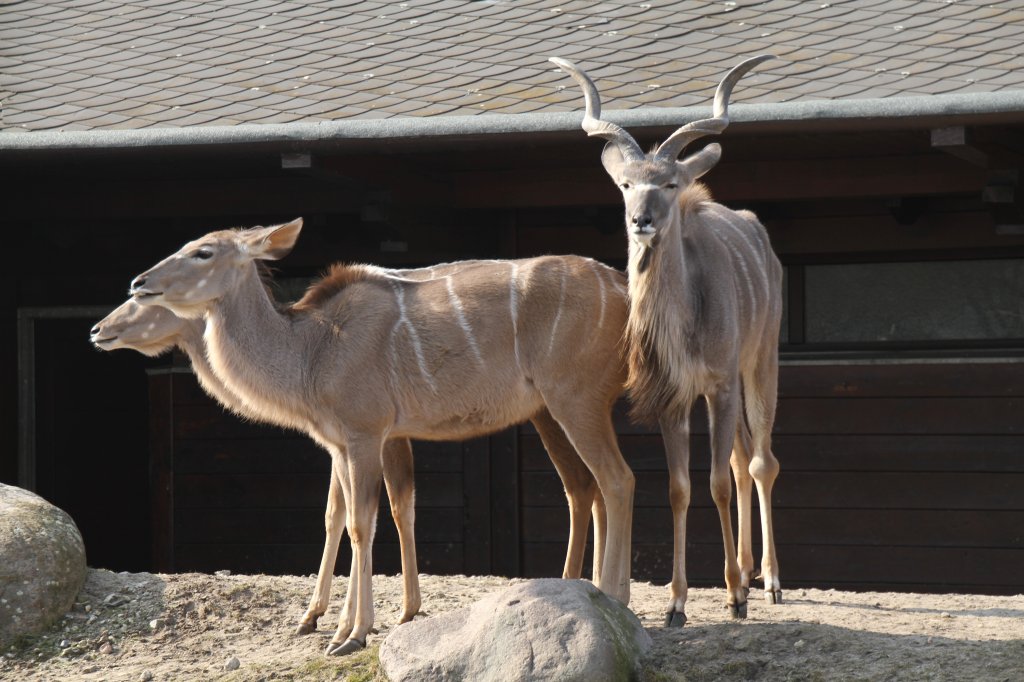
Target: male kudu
[
  {"x": 489, "y": 345},
  {"x": 705, "y": 304}
]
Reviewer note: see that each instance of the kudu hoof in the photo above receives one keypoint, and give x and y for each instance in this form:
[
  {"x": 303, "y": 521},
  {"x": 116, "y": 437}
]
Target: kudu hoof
[
  {"x": 773, "y": 597},
  {"x": 306, "y": 628},
  {"x": 349, "y": 646},
  {"x": 675, "y": 619},
  {"x": 738, "y": 610}
]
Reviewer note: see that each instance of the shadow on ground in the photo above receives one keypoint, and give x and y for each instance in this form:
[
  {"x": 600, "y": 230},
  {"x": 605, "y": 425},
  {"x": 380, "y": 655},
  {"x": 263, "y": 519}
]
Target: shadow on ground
[{"x": 807, "y": 651}]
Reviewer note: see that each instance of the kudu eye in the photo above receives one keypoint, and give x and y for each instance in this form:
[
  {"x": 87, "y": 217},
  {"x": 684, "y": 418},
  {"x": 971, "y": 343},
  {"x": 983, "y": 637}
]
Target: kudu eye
[
  {"x": 203, "y": 254},
  {"x": 671, "y": 185},
  {"x": 625, "y": 185}
]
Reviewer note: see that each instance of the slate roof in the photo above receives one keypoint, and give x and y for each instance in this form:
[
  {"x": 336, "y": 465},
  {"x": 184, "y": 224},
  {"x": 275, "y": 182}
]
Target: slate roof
[{"x": 130, "y": 64}]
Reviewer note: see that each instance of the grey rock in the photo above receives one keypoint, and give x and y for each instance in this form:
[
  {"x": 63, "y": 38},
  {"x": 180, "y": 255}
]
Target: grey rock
[
  {"x": 43, "y": 566},
  {"x": 551, "y": 629},
  {"x": 232, "y": 664}
]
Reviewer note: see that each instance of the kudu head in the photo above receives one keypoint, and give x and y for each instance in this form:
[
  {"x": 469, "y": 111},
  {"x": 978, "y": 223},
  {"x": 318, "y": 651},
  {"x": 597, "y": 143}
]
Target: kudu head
[
  {"x": 651, "y": 183},
  {"x": 201, "y": 272},
  {"x": 150, "y": 330}
]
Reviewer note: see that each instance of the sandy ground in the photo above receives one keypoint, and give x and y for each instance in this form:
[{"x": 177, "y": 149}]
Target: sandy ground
[{"x": 139, "y": 626}]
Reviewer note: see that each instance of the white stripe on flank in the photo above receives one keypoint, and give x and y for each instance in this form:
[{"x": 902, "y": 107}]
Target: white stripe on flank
[
  {"x": 738, "y": 256},
  {"x": 394, "y": 354},
  {"x": 604, "y": 296},
  {"x": 403, "y": 320},
  {"x": 618, "y": 287},
  {"x": 756, "y": 249},
  {"x": 513, "y": 303},
  {"x": 558, "y": 315},
  {"x": 460, "y": 315}
]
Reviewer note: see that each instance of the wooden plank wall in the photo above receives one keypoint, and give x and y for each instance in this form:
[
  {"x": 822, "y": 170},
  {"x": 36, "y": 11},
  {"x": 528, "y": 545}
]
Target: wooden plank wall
[
  {"x": 248, "y": 497},
  {"x": 894, "y": 476}
]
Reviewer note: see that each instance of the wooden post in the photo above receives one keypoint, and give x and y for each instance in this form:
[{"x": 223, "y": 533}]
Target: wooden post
[
  {"x": 505, "y": 535},
  {"x": 477, "y": 520},
  {"x": 161, "y": 466}
]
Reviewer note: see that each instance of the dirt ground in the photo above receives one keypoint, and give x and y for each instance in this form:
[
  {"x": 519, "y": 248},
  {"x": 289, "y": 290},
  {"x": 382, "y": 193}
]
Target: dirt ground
[{"x": 140, "y": 626}]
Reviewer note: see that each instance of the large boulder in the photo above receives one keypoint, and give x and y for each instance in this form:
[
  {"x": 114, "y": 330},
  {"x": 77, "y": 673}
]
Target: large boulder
[
  {"x": 42, "y": 563},
  {"x": 549, "y": 629}
]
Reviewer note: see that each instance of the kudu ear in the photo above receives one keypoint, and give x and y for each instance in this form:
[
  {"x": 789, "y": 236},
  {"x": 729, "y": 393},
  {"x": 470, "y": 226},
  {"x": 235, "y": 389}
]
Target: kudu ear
[
  {"x": 700, "y": 163},
  {"x": 274, "y": 242},
  {"x": 613, "y": 160}
]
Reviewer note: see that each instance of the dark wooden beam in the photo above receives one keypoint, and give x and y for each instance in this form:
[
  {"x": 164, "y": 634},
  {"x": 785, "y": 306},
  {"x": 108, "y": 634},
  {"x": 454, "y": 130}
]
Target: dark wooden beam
[
  {"x": 916, "y": 175},
  {"x": 882, "y": 233},
  {"x": 954, "y": 140},
  {"x": 998, "y": 149},
  {"x": 178, "y": 198}
]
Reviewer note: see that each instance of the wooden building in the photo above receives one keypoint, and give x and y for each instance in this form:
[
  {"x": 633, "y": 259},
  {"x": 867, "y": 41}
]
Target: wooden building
[{"x": 896, "y": 210}]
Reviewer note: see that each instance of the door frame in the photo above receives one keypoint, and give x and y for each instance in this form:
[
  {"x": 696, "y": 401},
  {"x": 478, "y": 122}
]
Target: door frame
[{"x": 27, "y": 318}]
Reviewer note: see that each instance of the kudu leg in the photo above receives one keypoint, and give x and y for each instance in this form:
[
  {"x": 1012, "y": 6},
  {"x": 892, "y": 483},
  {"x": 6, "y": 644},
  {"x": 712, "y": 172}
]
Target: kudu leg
[
  {"x": 600, "y": 535},
  {"x": 740, "y": 462},
  {"x": 593, "y": 437},
  {"x": 764, "y": 467},
  {"x": 676, "y": 437},
  {"x": 362, "y": 492},
  {"x": 399, "y": 479},
  {"x": 723, "y": 410},
  {"x": 580, "y": 489},
  {"x": 334, "y": 524},
  {"x": 347, "y": 617}
]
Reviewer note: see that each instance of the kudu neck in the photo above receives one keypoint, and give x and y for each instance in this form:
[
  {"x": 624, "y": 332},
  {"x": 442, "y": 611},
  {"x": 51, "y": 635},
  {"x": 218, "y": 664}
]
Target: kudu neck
[
  {"x": 655, "y": 272},
  {"x": 190, "y": 341},
  {"x": 255, "y": 350}
]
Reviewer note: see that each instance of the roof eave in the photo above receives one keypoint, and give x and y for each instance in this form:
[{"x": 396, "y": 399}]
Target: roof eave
[{"x": 821, "y": 115}]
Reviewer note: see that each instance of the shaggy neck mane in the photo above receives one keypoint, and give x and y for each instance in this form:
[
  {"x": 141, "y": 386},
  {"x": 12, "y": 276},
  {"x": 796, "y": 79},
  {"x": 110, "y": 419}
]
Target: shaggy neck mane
[
  {"x": 693, "y": 198},
  {"x": 339, "y": 276},
  {"x": 661, "y": 322}
]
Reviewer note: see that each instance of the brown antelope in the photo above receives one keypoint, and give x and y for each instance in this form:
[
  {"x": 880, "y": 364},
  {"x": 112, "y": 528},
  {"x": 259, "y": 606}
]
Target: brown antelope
[
  {"x": 152, "y": 331},
  {"x": 489, "y": 345},
  {"x": 705, "y": 304}
]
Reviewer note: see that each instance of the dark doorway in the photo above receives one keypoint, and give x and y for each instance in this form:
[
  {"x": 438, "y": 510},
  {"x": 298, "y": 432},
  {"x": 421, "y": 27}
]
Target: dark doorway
[{"x": 91, "y": 439}]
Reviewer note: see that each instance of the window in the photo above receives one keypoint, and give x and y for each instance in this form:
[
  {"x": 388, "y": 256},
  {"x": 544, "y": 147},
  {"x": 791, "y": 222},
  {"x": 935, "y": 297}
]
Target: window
[{"x": 921, "y": 301}]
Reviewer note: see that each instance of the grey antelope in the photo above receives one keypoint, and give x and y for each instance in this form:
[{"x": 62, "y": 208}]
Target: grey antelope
[
  {"x": 705, "y": 304},
  {"x": 153, "y": 330},
  {"x": 493, "y": 343}
]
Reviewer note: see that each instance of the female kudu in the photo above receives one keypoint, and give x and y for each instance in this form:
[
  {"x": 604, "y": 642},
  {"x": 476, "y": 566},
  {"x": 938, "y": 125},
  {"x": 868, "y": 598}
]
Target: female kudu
[
  {"x": 152, "y": 331},
  {"x": 489, "y": 345}
]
